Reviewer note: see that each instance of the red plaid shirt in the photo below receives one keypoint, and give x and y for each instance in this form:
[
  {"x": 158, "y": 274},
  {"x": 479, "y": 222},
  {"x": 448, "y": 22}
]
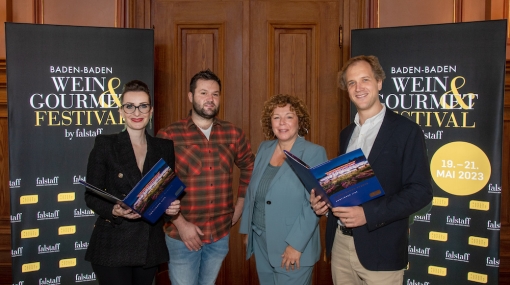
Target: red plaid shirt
[{"x": 206, "y": 168}]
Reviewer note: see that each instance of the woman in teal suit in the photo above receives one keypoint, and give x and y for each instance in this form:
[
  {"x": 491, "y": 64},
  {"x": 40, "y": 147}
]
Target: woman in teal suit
[{"x": 282, "y": 229}]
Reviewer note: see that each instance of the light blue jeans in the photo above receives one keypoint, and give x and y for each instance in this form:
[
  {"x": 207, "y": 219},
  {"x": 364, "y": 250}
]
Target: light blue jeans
[{"x": 200, "y": 267}]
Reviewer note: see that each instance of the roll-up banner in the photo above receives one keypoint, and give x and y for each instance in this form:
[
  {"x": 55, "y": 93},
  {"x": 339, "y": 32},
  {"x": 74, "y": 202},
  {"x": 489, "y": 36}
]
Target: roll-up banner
[
  {"x": 63, "y": 86},
  {"x": 449, "y": 79}
]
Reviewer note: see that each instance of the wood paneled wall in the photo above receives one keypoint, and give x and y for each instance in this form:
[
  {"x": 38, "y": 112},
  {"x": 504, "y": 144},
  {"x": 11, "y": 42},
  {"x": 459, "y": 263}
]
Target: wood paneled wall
[{"x": 350, "y": 14}]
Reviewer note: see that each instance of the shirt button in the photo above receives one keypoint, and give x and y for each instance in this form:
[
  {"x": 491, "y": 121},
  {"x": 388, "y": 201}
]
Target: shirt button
[
  {"x": 210, "y": 167},
  {"x": 268, "y": 202}
]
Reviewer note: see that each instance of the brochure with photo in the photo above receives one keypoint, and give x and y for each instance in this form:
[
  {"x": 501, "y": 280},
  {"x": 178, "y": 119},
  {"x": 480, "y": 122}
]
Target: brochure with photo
[
  {"x": 347, "y": 180},
  {"x": 151, "y": 195}
]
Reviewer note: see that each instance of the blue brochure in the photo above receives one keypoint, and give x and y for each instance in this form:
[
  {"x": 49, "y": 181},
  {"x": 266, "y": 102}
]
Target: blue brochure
[
  {"x": 151, "y": 195},
  {"x": 347, "y": 180}
]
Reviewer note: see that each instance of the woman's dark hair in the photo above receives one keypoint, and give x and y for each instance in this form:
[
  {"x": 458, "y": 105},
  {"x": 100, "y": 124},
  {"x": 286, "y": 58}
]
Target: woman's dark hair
[{"x": 135, "y": 85}]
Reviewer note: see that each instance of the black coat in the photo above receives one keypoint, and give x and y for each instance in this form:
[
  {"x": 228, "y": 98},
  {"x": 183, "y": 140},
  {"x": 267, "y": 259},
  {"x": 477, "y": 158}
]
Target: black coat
[
  {"x": 117, "y": 241},
  {"x": 399, "y": 160}
]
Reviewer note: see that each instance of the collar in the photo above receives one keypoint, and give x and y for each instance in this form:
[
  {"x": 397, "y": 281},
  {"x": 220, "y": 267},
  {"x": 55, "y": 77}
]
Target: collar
[
  {"x": 190, "y": 123},
  {"x": 371, "y": 120}
]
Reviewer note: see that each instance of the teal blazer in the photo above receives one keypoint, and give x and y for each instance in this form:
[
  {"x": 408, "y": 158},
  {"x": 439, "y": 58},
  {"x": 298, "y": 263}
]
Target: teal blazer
[{"x": 289, "y": 218}]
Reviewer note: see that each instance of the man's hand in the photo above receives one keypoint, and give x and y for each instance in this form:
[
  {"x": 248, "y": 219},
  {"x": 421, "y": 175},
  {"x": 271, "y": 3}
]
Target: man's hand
[
  {"x": 238, "y": 210},
  {"x": 319, "y": 207},
  {"x": 351, "y": 217},
  {"x": 189, "y": 233}
]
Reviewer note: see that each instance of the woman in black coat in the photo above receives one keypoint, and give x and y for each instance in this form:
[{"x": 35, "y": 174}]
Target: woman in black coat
[{"x": 123, "y": 248}]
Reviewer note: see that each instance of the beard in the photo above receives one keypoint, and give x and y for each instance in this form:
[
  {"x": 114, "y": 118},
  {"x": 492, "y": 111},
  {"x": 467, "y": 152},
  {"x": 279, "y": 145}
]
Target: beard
[{"x": 202, "y": 112}]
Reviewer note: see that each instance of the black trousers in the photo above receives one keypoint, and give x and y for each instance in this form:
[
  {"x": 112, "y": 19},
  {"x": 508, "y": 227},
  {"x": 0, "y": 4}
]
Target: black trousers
[{"x": 127, "y": 275}]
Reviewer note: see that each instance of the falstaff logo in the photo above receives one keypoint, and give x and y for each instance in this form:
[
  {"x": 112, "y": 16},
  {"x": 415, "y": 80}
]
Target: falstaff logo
[
  {"x": 80, "y": 245},
  {"x": 451, "y": 255},
  {"x": 414, "y": 282},
  {"x": 47, "y": 215},
  {"x": 17, "y": 252},
  {"x": 80, "y": 101},
  {"x": 493, "y": 225},
  {"x": 41, "y": 181},
  {"x": 455, "y": 221},
  {"x": 85, "y": 277},
  {"x": 16, "y": 183},
  {"x": 494, "y": 188},
  {"x": 431, "y": 99},
  {"x": 50, "y": 281},
  {"x": 41, "y": 249},
  {"x": 492, "y": 262},
  {"x": 418, "y": 251},
  {"x": 423, "y": 218},
  {"x": 77, "y": 178},
  {"x": 78, "y": 213},
  {"x": 16, "y": 218}
]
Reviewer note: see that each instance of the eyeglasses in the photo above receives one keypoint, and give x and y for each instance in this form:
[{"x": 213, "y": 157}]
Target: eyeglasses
[{"x": 130, "y": 108}]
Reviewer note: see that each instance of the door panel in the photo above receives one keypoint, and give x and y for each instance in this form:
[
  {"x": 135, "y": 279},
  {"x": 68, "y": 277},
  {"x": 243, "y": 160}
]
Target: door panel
[
  {"x": 189, "y": 37},
  {"x": 294, "y": 49}
]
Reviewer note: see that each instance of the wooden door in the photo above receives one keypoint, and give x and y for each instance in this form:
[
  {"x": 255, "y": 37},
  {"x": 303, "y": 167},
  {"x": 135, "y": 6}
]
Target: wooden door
[
  {"x": 294, "y": 49},
  {"x": 257, "y": 48}
]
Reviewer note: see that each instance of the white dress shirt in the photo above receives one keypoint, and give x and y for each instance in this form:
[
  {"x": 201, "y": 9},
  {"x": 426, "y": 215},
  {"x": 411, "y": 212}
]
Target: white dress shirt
[{"x": 364, "y": 135}]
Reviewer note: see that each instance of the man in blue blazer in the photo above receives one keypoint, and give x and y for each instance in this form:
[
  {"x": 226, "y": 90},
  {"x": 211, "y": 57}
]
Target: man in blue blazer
[{"x": 368, "y": 243}]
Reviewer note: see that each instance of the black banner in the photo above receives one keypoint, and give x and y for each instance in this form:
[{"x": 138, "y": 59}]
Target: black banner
[
  {"x": 449, "y": 79},
  {"x": 63, "y": 85}
]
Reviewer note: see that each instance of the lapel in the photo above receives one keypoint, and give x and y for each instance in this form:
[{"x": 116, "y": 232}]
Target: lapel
[
  {"x": 345, "y": 137},
  {"x": 264, "y": 155},
  {"x": 154, "y": 153},
  {"x": 384, "y": 134},
  {"x": 126, "y": 158}
]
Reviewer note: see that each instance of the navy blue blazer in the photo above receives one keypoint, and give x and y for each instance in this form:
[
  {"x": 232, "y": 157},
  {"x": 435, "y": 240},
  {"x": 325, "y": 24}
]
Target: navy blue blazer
[
  {"x": 112, "y": 166},
  {"x": 289, "y": 218},
  {"x": 400, "y": 162}
]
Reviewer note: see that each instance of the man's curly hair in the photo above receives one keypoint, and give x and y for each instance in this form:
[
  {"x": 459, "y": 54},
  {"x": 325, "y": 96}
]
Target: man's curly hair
[{"x": 281, "y": 100}]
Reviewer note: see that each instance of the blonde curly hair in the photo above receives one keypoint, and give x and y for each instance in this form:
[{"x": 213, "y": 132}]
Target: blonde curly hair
[{"x": 281, "y": 100}]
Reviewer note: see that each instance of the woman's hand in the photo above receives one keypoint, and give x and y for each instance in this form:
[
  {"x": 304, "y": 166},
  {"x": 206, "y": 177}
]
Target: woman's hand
[
  {"x": 290, "y": 258},
  {"x": 319, "y": 207},
  {"x": 118, "y": 211},
  {"x": 174, "y": 208}
]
